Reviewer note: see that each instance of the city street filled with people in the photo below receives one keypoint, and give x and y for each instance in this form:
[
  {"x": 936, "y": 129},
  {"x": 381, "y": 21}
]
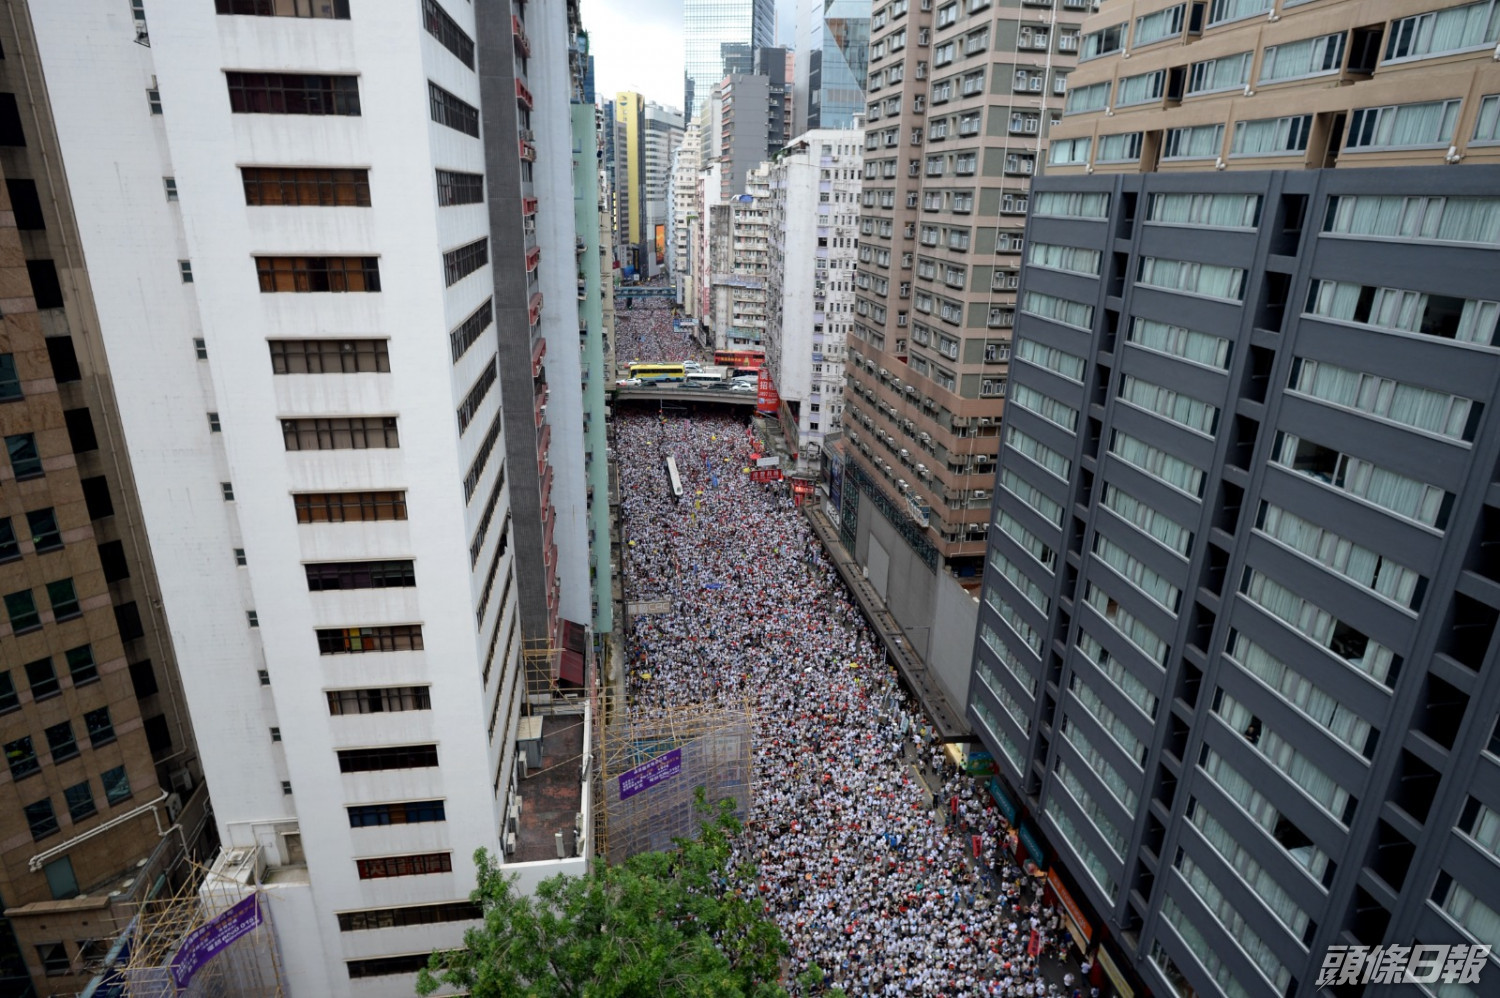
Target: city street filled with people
[{"x": 877, "y": 858}]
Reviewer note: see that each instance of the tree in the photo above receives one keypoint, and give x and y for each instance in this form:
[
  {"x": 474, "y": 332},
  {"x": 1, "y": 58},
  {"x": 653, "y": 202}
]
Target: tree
[{"x": 662, "y": 923}]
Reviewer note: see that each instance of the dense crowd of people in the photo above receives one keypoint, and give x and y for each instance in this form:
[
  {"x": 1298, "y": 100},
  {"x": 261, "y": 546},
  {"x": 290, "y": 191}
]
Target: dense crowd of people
[
  {"x": 643, "y": 332},
  {"x": 885, "y": 877}
]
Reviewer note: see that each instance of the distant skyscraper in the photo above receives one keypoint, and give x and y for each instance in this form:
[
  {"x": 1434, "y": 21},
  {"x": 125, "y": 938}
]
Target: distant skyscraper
[
  {"x": 834, "y": 46},
  {"x": 710, "y": 25}
]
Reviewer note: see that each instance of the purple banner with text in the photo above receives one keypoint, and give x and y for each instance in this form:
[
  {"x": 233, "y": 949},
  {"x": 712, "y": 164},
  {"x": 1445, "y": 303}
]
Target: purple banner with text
[
  {"x": 648, "y": 775},
  {"x": 212, "y": 938}
]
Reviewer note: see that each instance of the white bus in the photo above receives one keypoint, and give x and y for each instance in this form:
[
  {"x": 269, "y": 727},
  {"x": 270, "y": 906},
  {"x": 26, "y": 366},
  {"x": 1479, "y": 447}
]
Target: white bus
[
  {"x": 672, "y": 479},
  {"x": 705, "y": 376}
]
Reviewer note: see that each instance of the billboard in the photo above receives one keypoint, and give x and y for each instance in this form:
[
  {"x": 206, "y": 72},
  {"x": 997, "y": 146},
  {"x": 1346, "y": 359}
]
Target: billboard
[{"x": 661, "y": 244}]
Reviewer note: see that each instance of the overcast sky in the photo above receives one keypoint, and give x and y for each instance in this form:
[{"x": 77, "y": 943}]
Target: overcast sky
[{"x": 637, "y": 45}]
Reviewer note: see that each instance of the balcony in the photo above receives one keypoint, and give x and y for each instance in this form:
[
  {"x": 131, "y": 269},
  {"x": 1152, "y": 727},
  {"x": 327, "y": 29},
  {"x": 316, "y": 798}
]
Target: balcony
[
  {"x": 528, "y": 206},
  {"x": 523, "y": 96},
  {"x": 534, "y": 311},
  {"x": 518, "y": 34},
  {"x": 533, "y": 257},
  {"x": 527, "y": 151},
  {"x": 538, "y": 352}
]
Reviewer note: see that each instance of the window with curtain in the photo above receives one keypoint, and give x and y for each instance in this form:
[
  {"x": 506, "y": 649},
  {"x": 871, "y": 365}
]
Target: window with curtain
[
  {"x": 1021, "y": 581},
  {"x": 1147, "y": 519},
  {"x": 1164, "y": 467},
  {"x": 1093, "y": 97},
  {"x": 1194, "y": 142},
  {"x": 1071, "y": 204},
  {"x": 1472, "y": 915},
  {"x": 1482, "y": 824},
  {"x": 1438, "y": 32},
  {"x": 1137, "y": 573},
  {"x": 999, "y": 736},
  {"x": 1069, "y": 313},
  {"x": 1233, "y": 10},
  {"x": 1250, "y": 800},
  {"x": 1103, "y": 823},
  {"x": 1321, "y": 627},
  {"x": 1045, "y": 406},
  {"x": 1280, "y": 753},
  {"x": 1008, "y": 703},
  {"x": 1032, "y": 544},
  {"x": 1141, "y": 89},
  {"x": 1201, "y": 950},
  {"x": 1445, "y": 219},
  {"x": 1057, "y": 361},
  {"x": 1029, "y": 447},
  {"x": 1181, "y": 409},
  {"x": 1075, "y": 842},
  {"x": 1123, "y": 679},
  {"x": 1212, "y": 280},
  {"x": 1229, "y": 72},
  {"x": 1112, "y": 723},
  {"x": 1355, "y": 562},
  {"x": 1397, "y": 493},
  {"x": 1100, "y": 765},
  {"x": 1265, "y": 887},
  {"x": 1271, "y": 136},
  {"x": 1157, "y": 26},
  {"x": 1331, "y": 715},
  {"x": 1024, "y": 631},
  {"x": 1463, "y": 320},
  {"x": 1069, "y": 152},
  {"x": 1437, "y": 412},
  {"x": 1008, "y": 659},
  {"x": 1487, "y": 127},
  {"x": 1307, "y": 57},
  {"x": 1122, "y": 148},
  {"x": 1215, "y": 211},
  {"x": 1397, "y": 126},
  {"x": 1234, "y": 923},
  {"x": 1070, "y": 258},
  {"x": 1133, "y": 630},
  {"x": 1184, "y": 344},
  {"x": 1032, "y": 497}
]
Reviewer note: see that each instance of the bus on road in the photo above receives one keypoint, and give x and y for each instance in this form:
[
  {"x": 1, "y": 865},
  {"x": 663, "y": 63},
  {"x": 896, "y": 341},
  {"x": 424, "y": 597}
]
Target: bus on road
[
  {"x": 672, "y": 479},
  {"x": 704, "y": 377},
  {"x": 658, "y": 373}
]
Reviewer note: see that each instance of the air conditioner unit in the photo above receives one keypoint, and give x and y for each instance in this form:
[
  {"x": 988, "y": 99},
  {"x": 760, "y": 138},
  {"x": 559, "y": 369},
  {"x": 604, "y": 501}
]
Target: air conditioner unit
[
  {"x": 905, "y": 452},
  {"x": 520, "y": 767},
  {"x": 174, "y": 807},
  {"x": 901, "y": 482},
  {"x": 510, "y": 843},
  {"x": 981, "y": 494},
  {"x": 986, "y": 421}
]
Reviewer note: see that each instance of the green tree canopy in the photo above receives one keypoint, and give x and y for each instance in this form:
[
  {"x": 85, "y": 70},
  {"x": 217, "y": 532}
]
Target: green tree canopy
[{"x": 662, "y": 923}]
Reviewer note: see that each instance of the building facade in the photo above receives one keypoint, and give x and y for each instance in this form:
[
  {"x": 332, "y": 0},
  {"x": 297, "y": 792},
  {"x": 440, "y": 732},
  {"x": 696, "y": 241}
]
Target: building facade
[
  {"x": 370, "y": 532},
  {"x": 959, "y": 99},
  {"x": 1235, "y": 653},
  {"x": 710, "y": 25},
  {"x": 686, "y": 164},
  {"x": 833, "y": 52},
  {"x": 739, "y": 258},
  {"x": 813, "y": 235}
]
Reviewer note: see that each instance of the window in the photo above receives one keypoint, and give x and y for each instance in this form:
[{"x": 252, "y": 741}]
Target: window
[
  {"x": 1033, "y": 497},
  {"x": 80, "y": 801},
  {"x": 382, "y": 966},
  {"x": 285, "y": 8},
  {"x": 1329, "y": 713},
  {"x": 404, "y": 866},
  {"x": 1102, "y": 42},
  {"x": 1157, "y": 26},
  {"x": 1184, "y": 410},
  {"x": 1093, "y": 97},
  {"x": 349, "y": 507},
  {"x": 460, "y": 339},
  {"x": 1233, "y": 10},
  {"x": 327, "y": 576},
  {"x": 9, "y": 698},
  {"x": 1103, "y": 823},
  {"x": 357, "y": 640},
  {"x": 1117, "y": 728},
  {"x": 1137, "y": 573},
  {"x": 100, "y": 728},
  {"x": 1069, "y": 152},
  {"x": 1218, "y": 211},
  {"x": 459, "y": 263},
  {"x": 1071, "y": 204},
  {"x": 1150, "y": 521},
  {"x": 43, "y": 822},
  {"x": 388, "y": 757},
  {"x": 153, "y": 101},
  {"x": 459, "y": 188},
  {"x": 1400, "y": 494},
  {"x": 1262, "y": 957},
  {"x": 45, "y": 535},
  {"x": 20, "y": 755},
  {"x": 400, "y": 813},
  {"x": 1321, "y": 627},
  {"x": 1459, "y": 319},
  {"x": 1123, "y": 678},
  {"x": 213, "y": 423},
  {"x": 378, "y": 701},
  {"x": 1403, "y": 125},
  {"x": 200, "y": 348},
  {"x": 1121, "y": 148},
  {"x": 476, "y": 396},
  {"x": 227, "y": 489},
  {"x": 1292, "y": 763},
  {"x": 447, "y": 109},
  {"x": 1053, "y": 359},
  {"x": 116, "y": 785},
  {"x": 1069, "y": 258},
  {"x": 1062, "y": 310},
  {"x": 1091, "y": 860},
  {"x": 1214, "y": 281},
  {"x": 1164, "y": 467},
  {"x": 1229, "y": 72},
  {"x": 1420, "y": 408},
  {"x": 21, "y": 609},
  {"x": 349, "y": 433},
  {"x": 1271, "y": 136},
  {"x": 10, "y": 382},
  {"x": 42, "y": 679},
  {"x": 329, "y": 356},
  {"x": 1045, "y": 406},
  {"x": 271, "y": 185},
  {"x": 64, "y": 599},
  {"x": 252, "y": 618},
  {"x": 10, "y": 548},
  {"x": 1031, "y": 543},
  {"x": 1486, "y": 126},
  {"x": 25, "y": 461},
  {"x": 1034, "y": 593},
  {"x": 1473, "y": 26},
  {"x": 60, "y": 741},
  {"x": 81, "y": 665},
  {"x": 323, "y": 273},
  {"x": 1308, "y": 57},
  {"x": 1044, "y": 456},
  {"x": 419, "y": 914},
  {"x": 446, "y": 30},
  {"x": 291, "y": 93},
  {"x": 1195, "y": 142},
  {"x": 1142, "y": 89}
]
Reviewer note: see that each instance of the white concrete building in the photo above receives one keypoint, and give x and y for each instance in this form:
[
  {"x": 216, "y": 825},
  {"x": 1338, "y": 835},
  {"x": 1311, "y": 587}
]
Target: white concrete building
[
  {"x": 683, "y": 200},
  {"x": 288, "y": 225},
  {"x": 740, "y": 260},
  {"x": 813, "y": 227}
]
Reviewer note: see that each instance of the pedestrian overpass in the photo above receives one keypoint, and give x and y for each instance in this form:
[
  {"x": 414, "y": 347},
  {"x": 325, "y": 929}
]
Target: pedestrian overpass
[{"x": 682, "y": 393}]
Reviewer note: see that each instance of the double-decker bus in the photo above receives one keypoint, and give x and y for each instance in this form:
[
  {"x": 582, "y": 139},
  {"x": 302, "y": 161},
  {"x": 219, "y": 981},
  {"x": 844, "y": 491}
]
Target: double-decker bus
[
  {"x": 748, "y": 359},
  {"x": 651, "y": 373}
]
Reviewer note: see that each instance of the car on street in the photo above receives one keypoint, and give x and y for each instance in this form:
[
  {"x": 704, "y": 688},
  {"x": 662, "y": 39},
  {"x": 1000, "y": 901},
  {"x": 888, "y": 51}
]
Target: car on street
[{"x": 629, "y": 382}]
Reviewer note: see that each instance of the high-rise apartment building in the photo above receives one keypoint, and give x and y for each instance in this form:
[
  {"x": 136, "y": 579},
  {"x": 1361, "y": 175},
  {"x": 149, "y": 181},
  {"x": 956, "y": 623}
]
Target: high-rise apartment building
[
  {"x": 833, "y": 51},
  {"x": 1236, "y": 652},
  {"x": 959, "y": 99},
  {"x": 663, "y": 133},
  {"x": 739, "y": 261},
  {"x": 370, "y": 551},
  {"x": 709, "y": 26},
  {"x": 813, "y": 235},
  {"x": 645, "y": 134},
  {"x": 686, "y": 163}
]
